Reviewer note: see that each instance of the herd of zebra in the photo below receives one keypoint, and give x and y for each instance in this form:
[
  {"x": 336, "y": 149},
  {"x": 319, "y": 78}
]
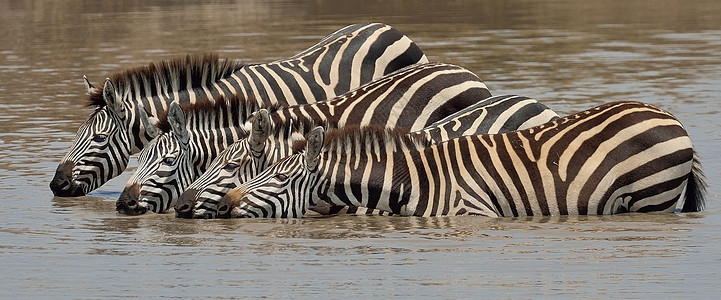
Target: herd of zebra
[{"x": 362, "y": 123}]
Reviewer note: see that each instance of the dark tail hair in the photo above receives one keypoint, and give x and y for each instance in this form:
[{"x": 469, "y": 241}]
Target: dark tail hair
[{"x": 695, "y": 188}]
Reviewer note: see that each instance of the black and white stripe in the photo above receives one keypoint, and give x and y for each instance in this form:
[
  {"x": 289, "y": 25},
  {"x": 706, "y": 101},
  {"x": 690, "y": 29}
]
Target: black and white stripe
[
  {"x": 615, "y": 158},
  {"x": 340, "y": 62},
  {"x": 436, "y": 89},
  {"x": 192, "y": 134},
  {"x": 239, "y": 164}
]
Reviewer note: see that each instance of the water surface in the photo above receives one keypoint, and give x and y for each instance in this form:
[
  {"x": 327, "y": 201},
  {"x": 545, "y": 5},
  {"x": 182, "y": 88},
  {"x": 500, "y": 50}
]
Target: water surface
[{"x": 571, "y": 55}]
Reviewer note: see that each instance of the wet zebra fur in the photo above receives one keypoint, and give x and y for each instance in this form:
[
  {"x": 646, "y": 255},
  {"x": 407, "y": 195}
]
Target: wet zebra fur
[
  {"x": 271, "y": 141},
  {"x": 340, "y": 62},
  {"x": 615, "y": 158},
  {"x": 436, "y": 89}
]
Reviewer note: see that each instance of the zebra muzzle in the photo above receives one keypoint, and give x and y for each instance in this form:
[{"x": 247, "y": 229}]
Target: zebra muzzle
[
  {"x": 186, "y": 202},
  {"x": 128, "y": 203},
  {"x": 63, "y": 184},
  {"x": 228, "y": 202}
]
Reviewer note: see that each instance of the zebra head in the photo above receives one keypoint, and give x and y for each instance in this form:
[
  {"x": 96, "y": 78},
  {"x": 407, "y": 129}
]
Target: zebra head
[
  {"x": 286, "y": 189},
  {"x": 162, "y": 169},
  {"x": 222, "y": 172},
  {"x": 267, "y": 143},
  {"x": 236, "y": 164},
  {"x": 101, "y": 147}
]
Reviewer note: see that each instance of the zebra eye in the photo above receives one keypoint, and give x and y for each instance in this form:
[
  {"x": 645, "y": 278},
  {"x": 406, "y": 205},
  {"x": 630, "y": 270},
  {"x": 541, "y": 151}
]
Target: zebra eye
[
  {"x": 230, "y": 167},
  {"x": 169, "y": 161},
  {"x": 280, "y": 177},
  {"x": 99, "y": 138}
]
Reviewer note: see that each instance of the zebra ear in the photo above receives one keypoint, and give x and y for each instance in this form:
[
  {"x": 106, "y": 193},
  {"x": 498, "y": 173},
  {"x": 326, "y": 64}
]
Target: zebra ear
[
  {"x": 148, "y": 122},
  {"x": 260, "y": 130},
  {"x": 313, "y": 146},
  {"x": 89, "y": 88},
  {"x": 176, "y": 118},
  {"x": 110, "y": 100}
]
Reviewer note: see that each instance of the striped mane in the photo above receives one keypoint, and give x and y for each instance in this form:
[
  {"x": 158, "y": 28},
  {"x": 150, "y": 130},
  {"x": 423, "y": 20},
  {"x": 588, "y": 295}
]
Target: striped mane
[
  {"x": 200, "y": 69},
  {"x": 370, "y": 139},
  {"x": 235, "y": 111}
]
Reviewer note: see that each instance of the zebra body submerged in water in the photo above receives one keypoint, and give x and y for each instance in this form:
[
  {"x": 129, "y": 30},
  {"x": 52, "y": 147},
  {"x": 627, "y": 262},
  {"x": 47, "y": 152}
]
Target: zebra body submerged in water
[
  {"x": 268, "y": 142},
  {"x": 615, "y": 158},
  {"x": 340, "y": 62},
  {"x": 410, "y": 98}
]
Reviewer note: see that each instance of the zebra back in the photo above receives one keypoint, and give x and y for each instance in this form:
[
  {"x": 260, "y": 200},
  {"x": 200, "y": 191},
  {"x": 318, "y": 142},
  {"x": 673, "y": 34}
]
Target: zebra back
[
  {"x": 618, "y": 157},
  {"x": 496, "y": 114}
]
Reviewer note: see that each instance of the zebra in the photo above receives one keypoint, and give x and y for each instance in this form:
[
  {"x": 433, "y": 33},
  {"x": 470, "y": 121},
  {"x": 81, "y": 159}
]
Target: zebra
[
  {"x": 341, "y": 61},
  {"x": 243, "y": 160},
  {"x": 413, "y": 97},
  {"x": 618, "y": 157}
]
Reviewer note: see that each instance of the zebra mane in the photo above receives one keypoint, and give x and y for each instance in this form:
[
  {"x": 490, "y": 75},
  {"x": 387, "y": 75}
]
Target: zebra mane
[
  {"x": 369, "y": 139},
  {"x": 234, "y": 111},
  {"x": 201, "y": 70}
]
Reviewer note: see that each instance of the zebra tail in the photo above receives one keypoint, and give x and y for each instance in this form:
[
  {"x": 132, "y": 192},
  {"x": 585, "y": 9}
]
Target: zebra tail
[{"x": 696, "y": 188}]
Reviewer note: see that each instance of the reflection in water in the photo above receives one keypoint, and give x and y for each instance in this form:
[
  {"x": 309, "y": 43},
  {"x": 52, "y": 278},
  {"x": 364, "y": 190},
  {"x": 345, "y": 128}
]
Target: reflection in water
[
  {"x": 571, "y": 55},
  {"x": 84, "y": 203}
]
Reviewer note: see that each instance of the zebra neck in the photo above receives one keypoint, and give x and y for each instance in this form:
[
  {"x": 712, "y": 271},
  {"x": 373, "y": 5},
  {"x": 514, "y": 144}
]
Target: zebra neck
[
  {"x": 275, "y": 150},
  {"x": 137, "y": 141},
  {"x": 205, "y": 146},
  {"x": 156, "y": 104}
]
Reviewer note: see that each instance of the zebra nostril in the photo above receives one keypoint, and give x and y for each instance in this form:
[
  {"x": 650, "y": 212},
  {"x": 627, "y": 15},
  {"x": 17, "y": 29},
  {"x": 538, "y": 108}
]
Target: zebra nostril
[
  {"x": 183, "y": 209},
  {"x": 128, "y": 200}
]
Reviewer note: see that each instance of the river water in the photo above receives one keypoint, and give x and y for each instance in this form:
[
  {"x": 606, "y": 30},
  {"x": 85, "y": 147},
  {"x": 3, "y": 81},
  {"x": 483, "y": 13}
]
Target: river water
[{"x": 571, "y": 55}]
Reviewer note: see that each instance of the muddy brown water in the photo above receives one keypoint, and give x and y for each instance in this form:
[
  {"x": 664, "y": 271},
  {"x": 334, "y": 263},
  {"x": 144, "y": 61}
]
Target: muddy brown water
[{"x": 571, "y": 55}]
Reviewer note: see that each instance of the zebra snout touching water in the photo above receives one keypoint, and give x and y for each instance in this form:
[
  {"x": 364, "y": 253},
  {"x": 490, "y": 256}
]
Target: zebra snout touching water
[
  {"x": 128, "y": 201},
  {"x": 340, "y": 62},
  {"x": 186, "y": 200},
  {"x": 64, "y": 183},
  {"x": 615, "y": 158},
  {"x": 492, "y": 115}
]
